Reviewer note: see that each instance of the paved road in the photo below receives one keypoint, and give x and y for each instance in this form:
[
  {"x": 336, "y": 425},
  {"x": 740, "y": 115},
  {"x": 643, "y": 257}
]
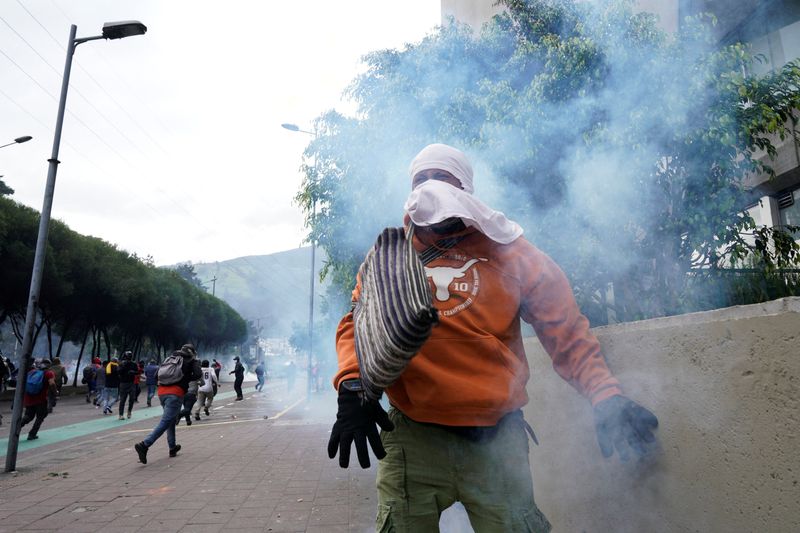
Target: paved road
[
  {"x": 237, "y": 471},
  {"x": 73, "y": 418}
]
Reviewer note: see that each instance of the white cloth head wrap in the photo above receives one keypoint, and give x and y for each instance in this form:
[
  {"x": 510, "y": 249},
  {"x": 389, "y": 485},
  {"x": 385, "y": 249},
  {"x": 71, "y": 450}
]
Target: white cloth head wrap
[
  {"x": 434, "y": 201},
  {"x": 444, "y": 157}
]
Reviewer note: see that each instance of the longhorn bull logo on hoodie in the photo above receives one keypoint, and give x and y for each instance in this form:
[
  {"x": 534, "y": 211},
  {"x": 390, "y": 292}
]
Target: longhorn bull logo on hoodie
[{"x": 446, "y": 278}]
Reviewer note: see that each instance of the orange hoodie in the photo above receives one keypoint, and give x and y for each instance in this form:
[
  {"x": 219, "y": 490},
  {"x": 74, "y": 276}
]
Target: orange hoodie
[{"x": 473, "y": 368}]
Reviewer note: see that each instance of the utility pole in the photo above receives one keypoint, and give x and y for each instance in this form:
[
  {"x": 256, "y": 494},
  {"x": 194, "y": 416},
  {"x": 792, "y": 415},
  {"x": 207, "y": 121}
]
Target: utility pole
[
  {"x": 309, "y": 374},
  {"x": 213, "y": 286},
  {"x": 114, "y": 30}
]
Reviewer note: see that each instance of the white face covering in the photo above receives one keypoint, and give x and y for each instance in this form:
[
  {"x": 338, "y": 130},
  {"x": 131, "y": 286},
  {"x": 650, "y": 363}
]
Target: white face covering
[{"x": 434, "y": 201}]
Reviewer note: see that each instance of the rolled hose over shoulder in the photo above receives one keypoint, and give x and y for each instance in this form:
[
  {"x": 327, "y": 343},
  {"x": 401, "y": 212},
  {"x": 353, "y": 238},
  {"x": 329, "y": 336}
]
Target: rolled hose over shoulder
[{"x": 394, "y": 314}]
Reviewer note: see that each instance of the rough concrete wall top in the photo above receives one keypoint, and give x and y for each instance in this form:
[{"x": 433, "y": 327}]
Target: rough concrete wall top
[{"x": 724, "y": 385}]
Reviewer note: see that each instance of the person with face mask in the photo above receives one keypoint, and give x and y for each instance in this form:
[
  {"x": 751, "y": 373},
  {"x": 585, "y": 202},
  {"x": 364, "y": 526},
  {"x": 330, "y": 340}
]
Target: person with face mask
[{"x": 461, "y": 394}]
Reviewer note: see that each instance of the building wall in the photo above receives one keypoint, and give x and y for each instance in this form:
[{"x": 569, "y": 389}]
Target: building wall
[
  {"x": 725, "y": 386},
  {"x": 667, "y": 12},
  {"x": 472, "y": 12}
]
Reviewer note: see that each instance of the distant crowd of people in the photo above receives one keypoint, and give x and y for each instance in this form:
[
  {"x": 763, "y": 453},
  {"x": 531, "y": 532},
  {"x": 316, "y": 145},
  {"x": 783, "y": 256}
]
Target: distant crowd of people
[
  {"x": 184, "y": 384},
  {"x": 119, "y": 382}
]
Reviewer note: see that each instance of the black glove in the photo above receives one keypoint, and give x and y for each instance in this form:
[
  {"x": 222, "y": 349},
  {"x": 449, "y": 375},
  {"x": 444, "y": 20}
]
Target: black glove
[
  {"x": 355, "y": 421},
  {"x": 622, "y": 423}
]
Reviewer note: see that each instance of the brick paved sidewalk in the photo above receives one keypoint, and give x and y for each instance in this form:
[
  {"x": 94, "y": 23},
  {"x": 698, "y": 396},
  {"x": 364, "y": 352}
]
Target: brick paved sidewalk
[{"x": 236, "y": 472}]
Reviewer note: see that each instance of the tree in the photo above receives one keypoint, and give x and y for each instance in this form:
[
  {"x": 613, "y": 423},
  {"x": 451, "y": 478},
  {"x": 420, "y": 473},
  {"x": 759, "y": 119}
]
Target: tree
[
  {"x": 94, "y": 293},
  {"x": 186, "y": 271},
  {"x": 621, "y": 150},
  {"x": 5, "y": 190}
]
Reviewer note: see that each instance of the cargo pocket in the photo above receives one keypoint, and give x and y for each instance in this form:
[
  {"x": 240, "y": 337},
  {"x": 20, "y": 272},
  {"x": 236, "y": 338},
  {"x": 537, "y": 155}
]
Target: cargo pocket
[
  {"x": 536, "y": 522},
  {"x": 389, "y": 519}
]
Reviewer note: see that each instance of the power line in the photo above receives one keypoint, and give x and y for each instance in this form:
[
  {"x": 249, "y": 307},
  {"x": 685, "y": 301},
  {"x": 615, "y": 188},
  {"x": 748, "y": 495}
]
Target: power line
[
  {"x": 34, "y": 117},
  {"x": 73, "y": 115},
  {"x": 179, "y": 205},
  {"x": 75, "y": 89},
  {"x": 51, "y": 95},
  {"x": 99, "y": 85},
  {"x": 113, "y": 70}
]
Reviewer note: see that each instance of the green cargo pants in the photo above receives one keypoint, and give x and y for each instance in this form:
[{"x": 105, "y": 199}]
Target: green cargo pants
[{"x": 428, "y": 468}]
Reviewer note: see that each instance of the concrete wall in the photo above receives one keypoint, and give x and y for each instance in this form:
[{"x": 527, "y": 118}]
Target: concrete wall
[{"x": 724, "y": 385}]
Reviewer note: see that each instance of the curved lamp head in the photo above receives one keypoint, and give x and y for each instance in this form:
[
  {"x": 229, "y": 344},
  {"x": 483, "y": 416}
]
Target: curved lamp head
[
  {"x": 123, "y": 28},
  {"x": 291, "y": 127},
  {"x": 23, "y": 139}
]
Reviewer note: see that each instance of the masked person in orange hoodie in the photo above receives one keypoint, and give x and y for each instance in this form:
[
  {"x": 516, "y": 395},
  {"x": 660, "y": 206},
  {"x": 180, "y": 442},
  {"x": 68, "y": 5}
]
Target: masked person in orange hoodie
[{"x": 455, "y": 430}]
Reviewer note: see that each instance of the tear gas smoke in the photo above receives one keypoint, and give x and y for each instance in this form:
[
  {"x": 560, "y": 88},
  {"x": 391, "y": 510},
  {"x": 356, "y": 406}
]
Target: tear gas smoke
[{"x": 613, "y": 144}]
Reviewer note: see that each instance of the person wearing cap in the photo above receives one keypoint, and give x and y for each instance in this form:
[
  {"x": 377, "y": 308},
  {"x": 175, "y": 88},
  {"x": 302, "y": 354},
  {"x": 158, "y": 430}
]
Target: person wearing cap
[
  {"x": 238, "y": 374},
  {"x": 36, "y": 404},
  {"x": 461, "y": 395}
]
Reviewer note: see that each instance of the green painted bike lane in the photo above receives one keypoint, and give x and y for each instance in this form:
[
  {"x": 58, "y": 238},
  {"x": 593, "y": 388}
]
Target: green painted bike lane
[{"x": 81, "y": 429}]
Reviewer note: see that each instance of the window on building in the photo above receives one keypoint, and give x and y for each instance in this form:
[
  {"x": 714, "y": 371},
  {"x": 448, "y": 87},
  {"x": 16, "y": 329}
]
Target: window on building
[{"x": 789, "y": 209}]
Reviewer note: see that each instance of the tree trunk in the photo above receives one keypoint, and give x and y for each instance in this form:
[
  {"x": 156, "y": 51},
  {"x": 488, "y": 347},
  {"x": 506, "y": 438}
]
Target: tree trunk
[
  {"x": 15, "y": 329},
  {"x": 63, "y": 337},
  {"x": 49, "y": 338},
  {"x": 80, "y": 355},
  {"x": 95, "y": 342},
  {"x": 37, "y": 330},
  {"x": 108, "y": 343}
]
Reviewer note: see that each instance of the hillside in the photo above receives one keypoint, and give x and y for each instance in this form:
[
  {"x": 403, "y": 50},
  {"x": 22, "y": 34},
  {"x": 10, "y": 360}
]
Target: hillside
[{"x": 273, "y": 288}]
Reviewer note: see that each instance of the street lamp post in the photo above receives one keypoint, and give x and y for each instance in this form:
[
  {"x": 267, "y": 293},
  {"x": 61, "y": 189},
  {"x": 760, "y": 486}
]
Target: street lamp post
[
  {"x": 111, "y": 30},
  {"x": 294, "y": 127},
  {"x": 18, "y": 140}
]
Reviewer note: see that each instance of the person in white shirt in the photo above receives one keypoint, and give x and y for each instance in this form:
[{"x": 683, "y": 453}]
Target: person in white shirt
[{"x": 205, "y": 395}]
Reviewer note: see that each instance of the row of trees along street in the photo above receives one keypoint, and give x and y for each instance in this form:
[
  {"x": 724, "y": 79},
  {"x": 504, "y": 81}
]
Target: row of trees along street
[
  {"x": 103, "y": 298},
  {"x": 622, "y": 150}
]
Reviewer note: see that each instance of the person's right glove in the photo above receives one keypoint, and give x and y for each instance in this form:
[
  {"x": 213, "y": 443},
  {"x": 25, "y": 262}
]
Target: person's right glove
[
  {"x": 622, "y": 423},
  {"x": 355, "y": 421}
]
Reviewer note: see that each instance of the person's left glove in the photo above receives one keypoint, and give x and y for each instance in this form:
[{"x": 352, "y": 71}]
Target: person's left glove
[
  {"x": 355, "y": 422},
  {"x": 622, "y": 423}
]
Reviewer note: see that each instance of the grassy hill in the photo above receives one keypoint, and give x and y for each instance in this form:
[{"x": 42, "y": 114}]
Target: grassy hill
[{"x": 273, "y": 288}]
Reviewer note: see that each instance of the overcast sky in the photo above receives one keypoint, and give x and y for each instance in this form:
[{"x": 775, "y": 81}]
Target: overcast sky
[{"x": 172, "y": 145}]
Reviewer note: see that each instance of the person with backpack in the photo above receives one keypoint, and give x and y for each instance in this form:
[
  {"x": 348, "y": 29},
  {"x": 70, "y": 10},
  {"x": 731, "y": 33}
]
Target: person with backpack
[
  {"x": 190, "y": 397},
  {"x": 150, "y": 377},
  {"x": 112, "y": 385},
  {"x": 40, "y": 382},
  {"x": 90, "y": 380},
  {"x": 174, "y": 376},
  {"x": 205, "y": 395},
  {"x": 127, "y": 372},
  {"x": 238, "y": 372}
]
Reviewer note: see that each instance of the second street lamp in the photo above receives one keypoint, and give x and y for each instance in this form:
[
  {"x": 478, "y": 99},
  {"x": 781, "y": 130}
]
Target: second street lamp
[
  {"x": 111, "y": 30},
  {"x": 18, "y": 140},
  {"x": 294, "y": 127}
]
